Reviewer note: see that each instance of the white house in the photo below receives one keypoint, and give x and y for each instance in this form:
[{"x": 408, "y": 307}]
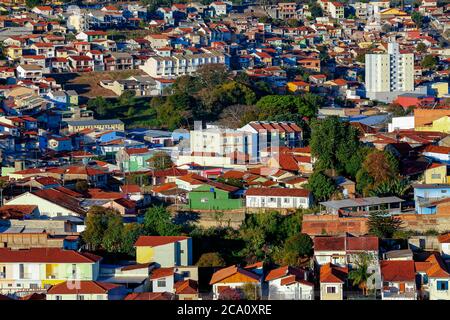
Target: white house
[
  {"x": 220, "y": 8},
  {"x": 289, "y": 283},
  {"x": 178, "y": 65},
  {"x": 162, "y": 280},
  {"x": 51, "y": 203},
  {"x": 399, "y": 280},
  {"x": 433, "y": 278},
  {"x": 277, "y": 198},
  {"x": 29, "y": 71}
]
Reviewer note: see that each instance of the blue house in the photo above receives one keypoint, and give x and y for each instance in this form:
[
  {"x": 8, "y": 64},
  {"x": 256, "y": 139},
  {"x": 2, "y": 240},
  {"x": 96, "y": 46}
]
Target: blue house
[
  {"x": 426, "y": 194},
  {"x": 110, "y": 136}
]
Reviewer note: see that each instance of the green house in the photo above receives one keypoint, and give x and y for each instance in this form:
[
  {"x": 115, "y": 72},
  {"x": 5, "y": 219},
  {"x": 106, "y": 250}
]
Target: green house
[
  {"x": 133, "y": 159},
  {"x": 214, "y": 196}
]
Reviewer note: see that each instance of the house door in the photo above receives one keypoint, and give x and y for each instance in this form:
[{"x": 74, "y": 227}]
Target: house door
[{"x": 402, "y": 287}]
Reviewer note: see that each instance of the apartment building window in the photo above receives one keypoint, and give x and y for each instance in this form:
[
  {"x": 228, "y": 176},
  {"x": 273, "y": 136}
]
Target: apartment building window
[{"x": 34, "y": 286}]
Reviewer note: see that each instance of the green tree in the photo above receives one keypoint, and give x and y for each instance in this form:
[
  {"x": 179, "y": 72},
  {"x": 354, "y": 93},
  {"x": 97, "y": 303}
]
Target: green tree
[
  {"x": 316, "y": 10},
  {"x": 251, "y": 292},
  {"x": 296, "y": 247},
  {"x": 383, "y": 225},
  {"x": 113, "y": 236},
  {"x": 212, "y": 75},
  {"x": 127, "y": 98},
  {"x": 131, "y": 233},
  {"x": 421, "y": 47},
  {"x": 332, "y": 143},
  {"x": 99, "y": 105},
  {"x": 211, "y": 259},
  {"x": 418, "y": 19},
  {"x": 96, "y": 224},
  {"x": 321, "y": 186},
  {"x": 158, "y": 221},
  {"x": 429, "y": 62},
  {"x": 395, "y": 187},
  {"x": 160, "y": 160},
  {"x": 33, "y": 3},
  {"x": 360, "y": 275}
]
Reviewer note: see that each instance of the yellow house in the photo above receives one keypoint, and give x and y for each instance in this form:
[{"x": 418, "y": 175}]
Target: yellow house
[
  {"x": 437, "y": 173},
  {"x": 441, "y": 88},
  {"x": 13, "y": 52},
  {"x": 298, "y": 86},
  {"x": 439, "y": 125},
  {"x": 166, "y": 251}
]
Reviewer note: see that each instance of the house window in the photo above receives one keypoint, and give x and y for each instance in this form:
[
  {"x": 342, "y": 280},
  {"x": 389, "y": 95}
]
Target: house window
[
  {"x": 80, "y": 297},
  {"x": 436, "y": 176},
  {"x": 58, "y": 298},
  {"x": 272, "y": 199},
  {"x": 161, "y": 283},
  {"x": 331, "y": 290},
  {"x": 442, "y": 285}
]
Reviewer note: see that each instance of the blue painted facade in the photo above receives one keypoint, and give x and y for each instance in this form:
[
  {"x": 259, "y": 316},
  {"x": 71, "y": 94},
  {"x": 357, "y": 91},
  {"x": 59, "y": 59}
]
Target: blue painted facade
[{"x": 426, "y": 194}]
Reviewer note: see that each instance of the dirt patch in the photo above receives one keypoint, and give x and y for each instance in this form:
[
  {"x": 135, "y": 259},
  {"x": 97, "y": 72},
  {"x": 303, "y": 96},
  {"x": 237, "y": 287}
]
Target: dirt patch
[{"x": 88, "y": 84}]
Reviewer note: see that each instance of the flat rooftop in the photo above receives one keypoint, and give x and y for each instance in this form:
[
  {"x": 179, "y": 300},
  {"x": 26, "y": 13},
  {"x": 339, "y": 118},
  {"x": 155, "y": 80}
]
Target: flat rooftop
[{"x": 360, "y": 202}]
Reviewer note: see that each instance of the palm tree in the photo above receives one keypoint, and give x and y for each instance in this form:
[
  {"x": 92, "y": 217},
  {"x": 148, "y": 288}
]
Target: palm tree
[
  {"x": 3, "y": 185},
  {"x": 359, "y": 275},
  {"x": 391, "y": 188}
]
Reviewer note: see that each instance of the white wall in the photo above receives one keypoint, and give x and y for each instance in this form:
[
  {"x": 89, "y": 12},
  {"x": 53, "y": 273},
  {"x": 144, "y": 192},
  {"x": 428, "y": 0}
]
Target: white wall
[
  {"x": 401, "y": 123},
  {"x": 46, "y": 208}
]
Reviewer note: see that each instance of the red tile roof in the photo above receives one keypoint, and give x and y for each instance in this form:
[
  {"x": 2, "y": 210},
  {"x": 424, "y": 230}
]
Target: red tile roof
[
  {"x": 82, "y": 287},
  {"x": 332, "y": 274},
  {"x": 224, "y": 273},
  {"x": 150, "y": 296},
  {"x": 161, "y": 273},
  {"x": 61, "y": 199},
  {"x": 397, "y": 271},
  {"x": 154, "y": 241},
  {"x": 46, "y": 255},
  {"x": 186, "y": 287}
]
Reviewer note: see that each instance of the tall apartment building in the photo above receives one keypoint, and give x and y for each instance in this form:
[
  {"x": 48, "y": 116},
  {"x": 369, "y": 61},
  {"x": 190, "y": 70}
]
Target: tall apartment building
[
  {"x": 178, "y": 65},
  {"x": 389, "y": 74}
]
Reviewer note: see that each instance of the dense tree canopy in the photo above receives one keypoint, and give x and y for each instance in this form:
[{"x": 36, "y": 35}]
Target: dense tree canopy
[{"x": 332, "y": 143}]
